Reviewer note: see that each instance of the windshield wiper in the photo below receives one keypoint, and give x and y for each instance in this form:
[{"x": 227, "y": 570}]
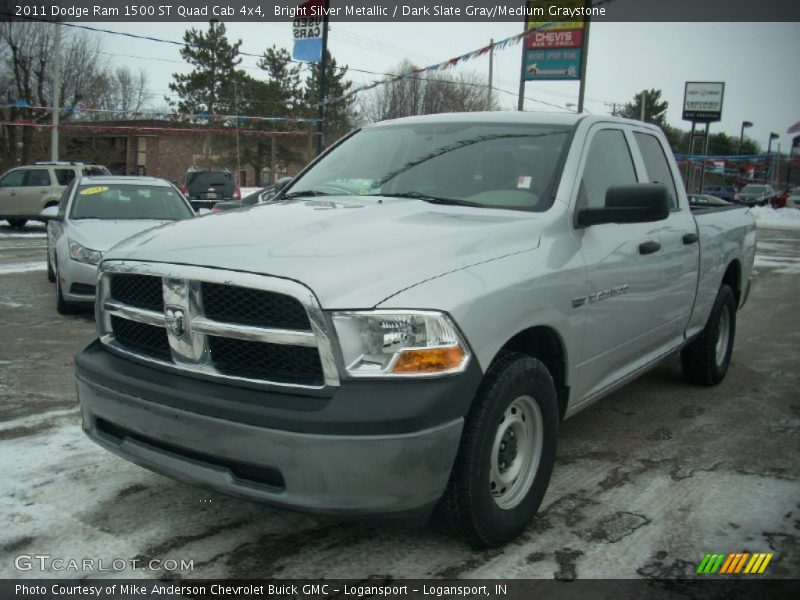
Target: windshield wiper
[
  {"x": 434, "y": 199},
  {"x": 304, "y": 193}
]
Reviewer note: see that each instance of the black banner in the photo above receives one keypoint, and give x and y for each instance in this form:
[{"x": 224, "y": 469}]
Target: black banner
[{"x": 444, "y": 11}]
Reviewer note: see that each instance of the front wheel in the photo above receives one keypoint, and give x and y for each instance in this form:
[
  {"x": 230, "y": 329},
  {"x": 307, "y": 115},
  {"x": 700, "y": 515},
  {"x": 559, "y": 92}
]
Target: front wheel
[
  {"x": 507, "y": 452},
  {"x": 62, "y": 306},
  {"x": 17, "y": 223},
  {"x": 705, "y": 360}
]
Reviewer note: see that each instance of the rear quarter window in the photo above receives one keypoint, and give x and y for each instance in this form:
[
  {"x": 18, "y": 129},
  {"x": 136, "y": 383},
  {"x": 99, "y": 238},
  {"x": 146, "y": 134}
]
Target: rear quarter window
[{"x": 656, "y": 164}]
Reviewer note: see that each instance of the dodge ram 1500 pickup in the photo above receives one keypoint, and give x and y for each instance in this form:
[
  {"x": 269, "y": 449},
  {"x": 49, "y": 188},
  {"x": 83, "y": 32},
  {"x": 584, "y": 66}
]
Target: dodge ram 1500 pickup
[{"x": 409, "y": 322}]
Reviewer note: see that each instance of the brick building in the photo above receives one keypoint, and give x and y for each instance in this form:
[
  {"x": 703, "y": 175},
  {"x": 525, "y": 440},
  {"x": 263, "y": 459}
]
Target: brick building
[{"x": 167, "y": 149}]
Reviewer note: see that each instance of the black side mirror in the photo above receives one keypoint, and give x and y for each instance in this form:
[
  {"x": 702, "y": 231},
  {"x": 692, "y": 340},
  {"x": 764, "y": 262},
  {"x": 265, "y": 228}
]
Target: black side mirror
[{"x": 634, "y": 203}]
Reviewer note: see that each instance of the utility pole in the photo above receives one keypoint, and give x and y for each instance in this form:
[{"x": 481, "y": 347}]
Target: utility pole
[
  {"x": 644, "y": 101},
  {"x": 584, "y": 58},
  {"x": 322, "y": 79},
  {"x": 56, "y": 94},
  {"x": 491, "y": 66}
]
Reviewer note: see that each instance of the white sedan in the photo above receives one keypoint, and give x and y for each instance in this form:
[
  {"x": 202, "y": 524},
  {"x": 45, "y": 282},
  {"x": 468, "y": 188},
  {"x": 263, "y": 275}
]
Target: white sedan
[{"x": 95, "y": 214}]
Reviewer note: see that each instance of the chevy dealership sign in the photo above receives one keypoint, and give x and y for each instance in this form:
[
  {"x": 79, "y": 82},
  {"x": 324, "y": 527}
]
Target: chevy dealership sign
[{"x": 702, "y": 101}]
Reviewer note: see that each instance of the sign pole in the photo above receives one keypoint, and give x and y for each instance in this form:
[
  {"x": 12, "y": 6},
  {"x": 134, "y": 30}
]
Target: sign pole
[
  {"x": 689, "y": 158},
  {"x": 322, "y": 79},
  {"x": 521, "y": 99},
  {"x": 584, "y": 59},
  {"x": 703, "y": 163}
]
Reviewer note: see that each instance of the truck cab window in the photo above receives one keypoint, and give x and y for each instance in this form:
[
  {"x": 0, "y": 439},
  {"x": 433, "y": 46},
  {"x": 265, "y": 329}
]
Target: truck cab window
[
  {"x": 608, "y": 163},
  {"x": 655, "y": 163}
]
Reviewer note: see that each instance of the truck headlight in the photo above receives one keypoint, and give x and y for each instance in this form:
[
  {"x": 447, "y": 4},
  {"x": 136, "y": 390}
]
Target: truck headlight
[
  {"x": 405, "y": 343},
  {"x": 83, "y": 254}
]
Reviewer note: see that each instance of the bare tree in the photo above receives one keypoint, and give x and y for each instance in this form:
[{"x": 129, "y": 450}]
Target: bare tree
[
  {"x": 26, "y": 51},
  {"x": 423, "y": 94}
]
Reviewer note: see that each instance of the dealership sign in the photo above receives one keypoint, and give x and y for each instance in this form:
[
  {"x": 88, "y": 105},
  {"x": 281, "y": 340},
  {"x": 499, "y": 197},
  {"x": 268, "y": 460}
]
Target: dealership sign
[
  {"x": 553, "y": 49},
  {"x": 702, "y": 101}
]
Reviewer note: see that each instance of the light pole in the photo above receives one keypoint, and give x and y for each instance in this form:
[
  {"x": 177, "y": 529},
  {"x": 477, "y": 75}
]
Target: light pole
[
  {"x": 745, "y": 125},
  {"x": 772, "y": 136}
]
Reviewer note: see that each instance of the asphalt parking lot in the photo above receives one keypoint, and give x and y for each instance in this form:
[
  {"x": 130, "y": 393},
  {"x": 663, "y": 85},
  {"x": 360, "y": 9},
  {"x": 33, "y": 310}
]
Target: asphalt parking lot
[{"x": 647, "y": 481}]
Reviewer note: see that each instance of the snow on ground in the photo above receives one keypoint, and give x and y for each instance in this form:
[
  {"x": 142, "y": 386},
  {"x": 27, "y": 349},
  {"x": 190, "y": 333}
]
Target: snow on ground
[
  {"x": 21, "y": 267},
  {"x": 784, "y": 218},
  {"x": 246, "y": 191}
]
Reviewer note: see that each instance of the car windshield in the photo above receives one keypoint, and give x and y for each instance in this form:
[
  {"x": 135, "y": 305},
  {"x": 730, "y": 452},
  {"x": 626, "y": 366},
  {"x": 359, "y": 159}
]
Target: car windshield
[
  {"x": 129, "y": 201},
  {"x": 754, "y": 189},
  {"x": 470, "y": 164}
]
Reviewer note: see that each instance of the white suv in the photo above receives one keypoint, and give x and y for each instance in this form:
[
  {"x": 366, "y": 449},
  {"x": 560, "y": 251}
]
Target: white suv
[{"x": 26, "y": 191}]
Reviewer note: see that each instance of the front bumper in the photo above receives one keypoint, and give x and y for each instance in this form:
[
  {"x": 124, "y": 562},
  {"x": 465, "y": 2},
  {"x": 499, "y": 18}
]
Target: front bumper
[
  {"x": 78, "y": 281},
  {"x": 386, "y": 473}
]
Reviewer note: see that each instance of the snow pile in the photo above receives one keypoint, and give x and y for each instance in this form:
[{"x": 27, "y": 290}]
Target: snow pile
[
  {"x": 784, "y": 218},
  {"x": 21, "y": 267},
  {"x": 246, "y": 191}
]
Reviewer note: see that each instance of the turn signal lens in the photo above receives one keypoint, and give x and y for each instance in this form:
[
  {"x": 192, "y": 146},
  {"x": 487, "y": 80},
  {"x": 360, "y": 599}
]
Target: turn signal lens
[{"x": 429, "y": 360}]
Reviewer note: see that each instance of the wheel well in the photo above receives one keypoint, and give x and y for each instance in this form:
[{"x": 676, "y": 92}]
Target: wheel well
[
  {"x": 544, "y": 344},
  {"x": 733, "y": 279},
  {"x": 51, "y": 203}
]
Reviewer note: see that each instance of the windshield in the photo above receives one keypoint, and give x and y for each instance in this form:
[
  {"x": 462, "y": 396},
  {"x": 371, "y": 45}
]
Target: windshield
[
  {"x": 754, "y": 189},
  {"x": 474, "y": 164},
  {"x": 129, "y": 201}
]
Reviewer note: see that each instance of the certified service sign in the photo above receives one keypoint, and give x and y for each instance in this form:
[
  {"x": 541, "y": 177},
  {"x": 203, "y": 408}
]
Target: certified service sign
[{"x": 702, "y": 101}]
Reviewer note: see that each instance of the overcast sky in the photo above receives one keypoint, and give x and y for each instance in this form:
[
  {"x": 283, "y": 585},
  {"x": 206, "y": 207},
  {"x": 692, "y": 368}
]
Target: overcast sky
[{"x": 757, "y": 62}]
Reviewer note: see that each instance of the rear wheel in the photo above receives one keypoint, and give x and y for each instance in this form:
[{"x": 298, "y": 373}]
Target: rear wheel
[
  {"x": 507, "y": 452},
  {"x": 17, "y": 223},
  {"x": 705, "y": 360}
]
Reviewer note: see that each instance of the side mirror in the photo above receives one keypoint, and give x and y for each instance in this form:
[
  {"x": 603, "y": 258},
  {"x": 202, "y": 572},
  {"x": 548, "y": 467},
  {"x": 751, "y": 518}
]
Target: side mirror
[
  {"x": 50, "y": 214},
  {"x": 634, "y": 203}
]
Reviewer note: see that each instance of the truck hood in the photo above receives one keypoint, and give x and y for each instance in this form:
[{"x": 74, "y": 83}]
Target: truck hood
[
  {"x": 352, "y": 252},
  {"x": 101, "y": 234}
]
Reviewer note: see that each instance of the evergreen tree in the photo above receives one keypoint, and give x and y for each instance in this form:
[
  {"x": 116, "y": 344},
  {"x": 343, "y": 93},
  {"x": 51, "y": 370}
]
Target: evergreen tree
[
  {"x": 655, "y": 110},
  {"x": 209, "y": 87},
  {"x": 339, "y": 116}
]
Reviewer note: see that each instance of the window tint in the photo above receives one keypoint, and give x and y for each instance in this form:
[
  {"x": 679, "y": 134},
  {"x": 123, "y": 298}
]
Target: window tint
[
  {"x": 656, "y": 165},
  {"x": 128, "y": 201},
  {"x": 608, "y": 163},
  {"x": 13, "y": 179},
  {"x": 38, "y": 177},
  {"x": 64, "y": 176}
]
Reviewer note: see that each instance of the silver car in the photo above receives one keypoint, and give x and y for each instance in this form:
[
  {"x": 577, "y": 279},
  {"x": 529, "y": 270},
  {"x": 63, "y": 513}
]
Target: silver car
[{"x": 92, "y": 216}]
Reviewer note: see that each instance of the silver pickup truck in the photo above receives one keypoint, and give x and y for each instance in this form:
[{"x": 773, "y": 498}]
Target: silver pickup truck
[{"x": 409, "y": 322}]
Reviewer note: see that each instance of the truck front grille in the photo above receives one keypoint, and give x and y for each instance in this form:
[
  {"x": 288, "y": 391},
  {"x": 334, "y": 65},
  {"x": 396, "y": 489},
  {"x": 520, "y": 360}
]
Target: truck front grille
[
  {"x": 235, "y": 304},
  {"x": 141, "y": 291},
  {"x": 142, "y": 338},
  {"x": 259, "y": 360},
  {"x": 217, "y": 324}
]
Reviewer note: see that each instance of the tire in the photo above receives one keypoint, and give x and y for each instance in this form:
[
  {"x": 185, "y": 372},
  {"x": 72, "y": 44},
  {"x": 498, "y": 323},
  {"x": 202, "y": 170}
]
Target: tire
[
  {"x": 62, "y": 306},
  {"x": 17, "y": 223},
  {"x": 706, "y": 359},
  {"x": 51, "y": 276},
  {"x": 507, "y": 452}
]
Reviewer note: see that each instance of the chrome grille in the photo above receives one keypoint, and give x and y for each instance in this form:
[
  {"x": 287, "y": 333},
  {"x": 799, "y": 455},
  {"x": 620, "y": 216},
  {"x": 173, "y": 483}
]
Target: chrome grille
[
  {"x": 215, "y": 324},
  {"x": 142, "y": 291},
  {"x": 234, "y": 304}
]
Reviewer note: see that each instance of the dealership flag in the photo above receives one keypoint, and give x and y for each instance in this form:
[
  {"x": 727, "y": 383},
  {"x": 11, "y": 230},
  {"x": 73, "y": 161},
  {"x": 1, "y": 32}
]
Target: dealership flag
[{"x": 307, "y": 30}]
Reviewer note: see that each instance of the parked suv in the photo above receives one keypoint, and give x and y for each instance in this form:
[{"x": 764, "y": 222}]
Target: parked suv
[
  {"x": 204, "y": 189},
  {"x": 26, "y": 191}
]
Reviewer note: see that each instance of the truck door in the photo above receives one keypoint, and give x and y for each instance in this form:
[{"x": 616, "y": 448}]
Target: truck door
[
  {"x": 680, "y": 246},
  {"x": 624, "y": 270}
]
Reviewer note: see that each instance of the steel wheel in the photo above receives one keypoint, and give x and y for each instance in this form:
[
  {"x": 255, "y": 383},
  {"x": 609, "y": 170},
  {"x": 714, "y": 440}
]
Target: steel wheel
[
  {"x": 723, "y": 336},
  {"x": 516, "y": 452}
]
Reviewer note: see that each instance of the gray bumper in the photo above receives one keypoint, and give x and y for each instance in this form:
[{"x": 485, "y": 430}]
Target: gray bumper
[{"x": 333, "y": 474}]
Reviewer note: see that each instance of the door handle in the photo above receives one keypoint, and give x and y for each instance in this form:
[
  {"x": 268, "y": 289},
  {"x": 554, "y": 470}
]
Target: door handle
[
  {"x": 649, "y": 247},
  {"x": 689, "y": 238}
]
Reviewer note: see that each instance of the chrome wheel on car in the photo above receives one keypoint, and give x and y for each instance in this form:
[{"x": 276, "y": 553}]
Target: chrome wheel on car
[{"x": 516, "y": 452}]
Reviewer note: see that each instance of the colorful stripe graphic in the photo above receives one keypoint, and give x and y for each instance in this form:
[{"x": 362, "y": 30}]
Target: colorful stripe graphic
[{"x": 734, "y": 563}]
